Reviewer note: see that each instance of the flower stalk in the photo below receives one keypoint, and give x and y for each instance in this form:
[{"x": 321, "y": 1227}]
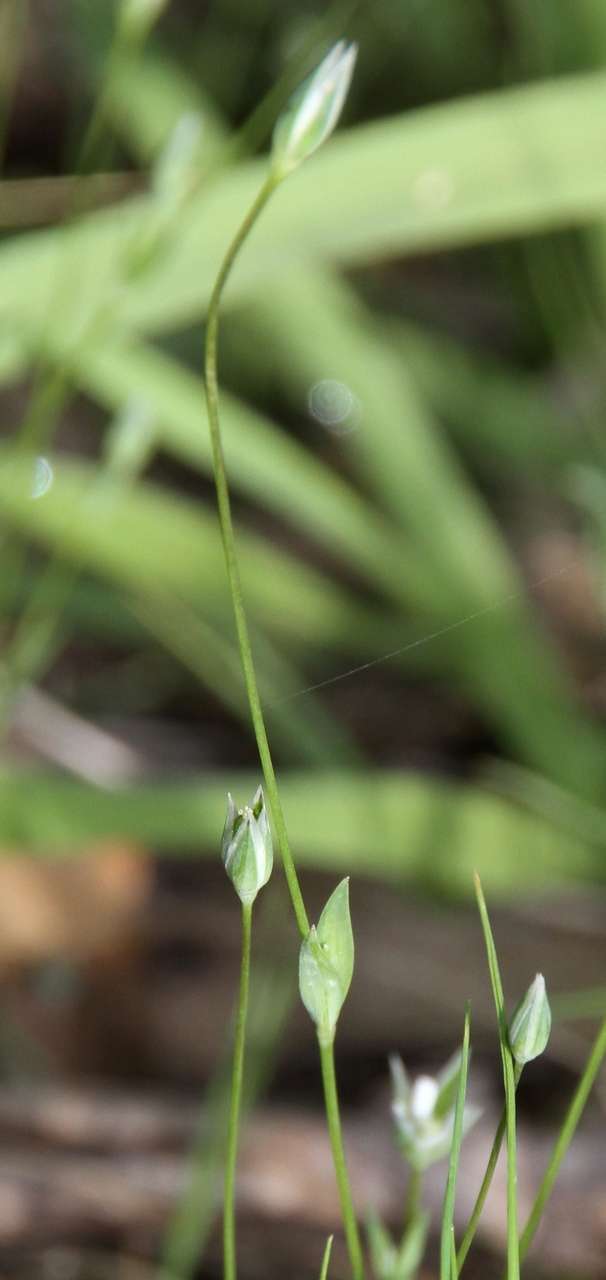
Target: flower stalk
[
  {"x": 235, "y": 1104},
  {"x": 317, "y": 107}
]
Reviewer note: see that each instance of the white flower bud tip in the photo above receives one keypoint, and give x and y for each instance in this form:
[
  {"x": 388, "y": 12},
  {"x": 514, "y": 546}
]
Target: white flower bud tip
[{"x": 314, "y": 110}]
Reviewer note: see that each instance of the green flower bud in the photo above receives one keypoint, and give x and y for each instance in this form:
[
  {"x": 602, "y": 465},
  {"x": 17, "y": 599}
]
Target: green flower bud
[
  {"x": 531, "y": 1023},
  {"x": 314, "y": 110},
  {"x": 326, "y": 964},
  {"x": 246, "y": 847}
]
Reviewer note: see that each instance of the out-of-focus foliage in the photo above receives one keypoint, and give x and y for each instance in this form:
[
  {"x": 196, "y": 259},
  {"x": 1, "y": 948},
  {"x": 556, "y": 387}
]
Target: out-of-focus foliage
[{"x": 415, "y": 393}]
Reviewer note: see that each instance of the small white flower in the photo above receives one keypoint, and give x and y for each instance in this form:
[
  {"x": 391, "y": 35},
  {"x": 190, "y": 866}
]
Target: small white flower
[{"x": 424, "y": 1112}]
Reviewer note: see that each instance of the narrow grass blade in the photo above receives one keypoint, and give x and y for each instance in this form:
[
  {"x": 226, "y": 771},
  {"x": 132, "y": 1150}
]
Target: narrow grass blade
[
  {"x": 454, "y": 1271},
  {"x": 326, "y": 1258},
  {"x": 513, "y": 1260},
  {"x": 564, "y": 1138},
  {"x": 476, "y": 1213},
  {"x": 447, "y": 1243}
]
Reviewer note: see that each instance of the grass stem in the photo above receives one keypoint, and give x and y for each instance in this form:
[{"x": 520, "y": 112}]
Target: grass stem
[{"x": 476, "y": 1212}]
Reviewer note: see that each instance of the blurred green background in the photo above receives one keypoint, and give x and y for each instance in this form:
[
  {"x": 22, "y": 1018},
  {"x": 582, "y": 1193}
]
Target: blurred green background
[
  {"x": 412, "y": 360},
  {"x": 414, "y": 398}
]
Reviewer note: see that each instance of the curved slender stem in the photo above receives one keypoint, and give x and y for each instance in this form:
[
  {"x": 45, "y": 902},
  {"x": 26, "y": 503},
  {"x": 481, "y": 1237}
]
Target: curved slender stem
[
  {"x": 476, "y": 1212},
  {"x": 229, "y": 1212},
  {"x": 336, "y": 1141},
  {"x": 256, "y": 710},
  {"x": 233, "y": 571}
]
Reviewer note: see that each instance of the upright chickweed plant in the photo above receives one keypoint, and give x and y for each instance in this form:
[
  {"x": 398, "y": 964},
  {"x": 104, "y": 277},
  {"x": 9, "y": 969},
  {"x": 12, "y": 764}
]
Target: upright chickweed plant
[
  {"x": 431, "y": 1114},
  {"x": 325, "y": 976}
]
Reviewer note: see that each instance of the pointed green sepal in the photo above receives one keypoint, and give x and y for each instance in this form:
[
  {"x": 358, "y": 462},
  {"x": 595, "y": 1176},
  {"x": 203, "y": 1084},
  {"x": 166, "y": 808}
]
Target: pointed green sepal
[
  {"x": 397, "y": 1262},
  {"x": 531, "y": 1023},
  {"x": 326, "y": 964}
]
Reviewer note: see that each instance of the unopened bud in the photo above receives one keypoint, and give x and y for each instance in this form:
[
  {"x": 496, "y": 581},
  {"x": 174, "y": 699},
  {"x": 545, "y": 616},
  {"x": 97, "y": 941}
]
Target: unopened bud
[
  {"x": 531, "y": 1023},
  {"x": 314, "y": 110},
  {"x": 326, "y": 964},
  {"x": 246, "y": 847}
]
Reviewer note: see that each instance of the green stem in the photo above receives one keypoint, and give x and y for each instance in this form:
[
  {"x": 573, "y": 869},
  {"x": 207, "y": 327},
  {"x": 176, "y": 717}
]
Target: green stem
[
  {"x": 273, "y": 798},
  {"x": 233, "y": 571},
  {"x": 513, "y": 1249},
  {"x": 513, "y": 1252},
  {"x": 476, "y": 1213},
  {"x": 336, "y": 1141},
  {"x": 229, "y": 1214},
  {"x": 564, "y": 1138},
  {"x": 413, "y": 1196}
]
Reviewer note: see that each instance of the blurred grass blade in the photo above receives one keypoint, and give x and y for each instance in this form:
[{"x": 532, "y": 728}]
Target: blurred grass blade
[
  {"x": 502, "y": 163},
  {"x": 447, "y": 1228},
  {"x": 397, "y": 447},
  {"x": 382, "y": 824},
  {"x": 503, "y": 417},
  {"x": 147, "y": 97},
  {"x": 153, "y": 542},
  {"x": 264, "y": 462}
]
